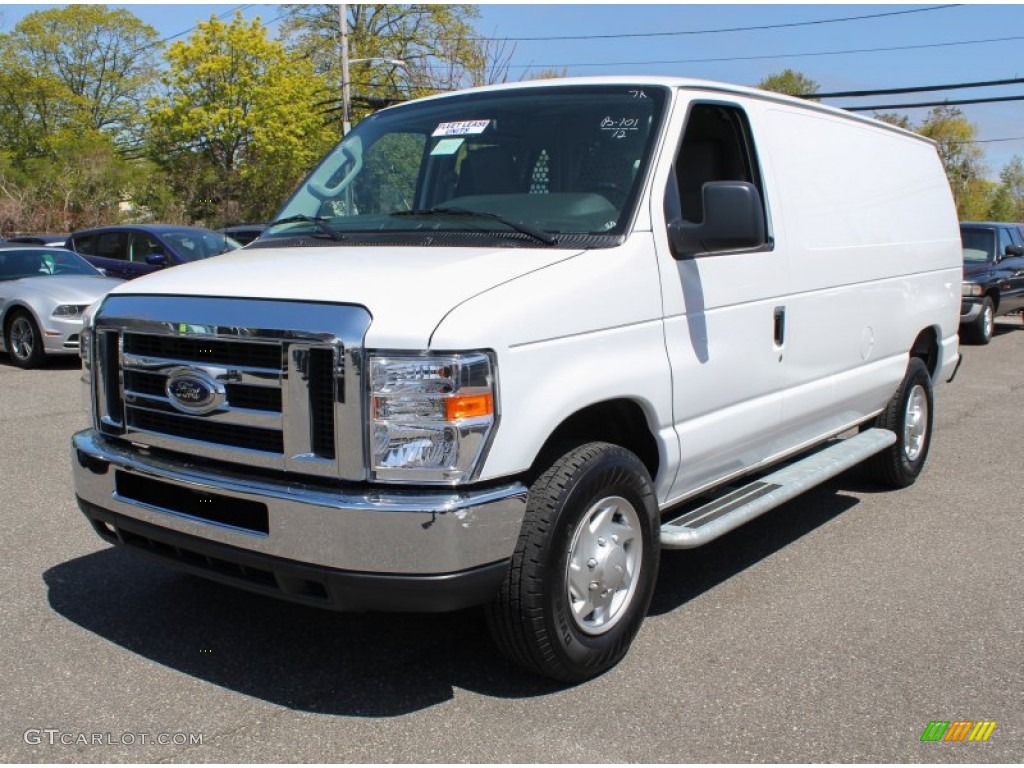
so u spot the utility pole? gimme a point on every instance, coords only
(346, 86)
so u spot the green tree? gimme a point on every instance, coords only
(790, 82)
(80, 179)
(954, 135)
(238, 125)
(547, 74)
(977, 199)
(435, 44)
(1001, 206)
(894, 118)
(81, 66)
(32, 106)
(13, 196)
(72, 84)
(1012, 190)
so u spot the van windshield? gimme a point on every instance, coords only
(534, 166)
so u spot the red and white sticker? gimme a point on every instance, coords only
(462, 128)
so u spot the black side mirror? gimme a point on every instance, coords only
(1014, 250)
(733, 220)
(157, 259)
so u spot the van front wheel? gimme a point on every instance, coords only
(584, 568)
(909, 415)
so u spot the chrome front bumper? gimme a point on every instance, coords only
(970, 309)
(352, 529)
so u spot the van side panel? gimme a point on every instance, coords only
(719, 316)
(874, 259)
(586, 330)
(865, 257)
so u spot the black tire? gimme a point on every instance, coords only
(981, 330)
(533, 621)
(899, 465)
(23, 341)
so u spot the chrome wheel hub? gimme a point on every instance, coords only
(915, 423)
(604, 563)
(22, 338)
(988, 322)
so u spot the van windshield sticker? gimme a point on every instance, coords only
(462, 128)
(619, 127)
(447, 146)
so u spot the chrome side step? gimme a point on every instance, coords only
(718, 517)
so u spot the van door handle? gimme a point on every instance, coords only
(780, 326)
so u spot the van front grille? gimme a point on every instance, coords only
(191, 428)
(275, 399)
(205, 351)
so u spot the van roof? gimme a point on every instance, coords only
(683, 83)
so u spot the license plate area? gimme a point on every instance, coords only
(250, 516)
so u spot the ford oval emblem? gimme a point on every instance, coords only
(193, 391)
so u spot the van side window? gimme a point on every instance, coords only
(716, 147)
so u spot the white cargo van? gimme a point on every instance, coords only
(504, 345)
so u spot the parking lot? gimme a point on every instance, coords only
(834, 628)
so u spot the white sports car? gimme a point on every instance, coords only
(43, 293)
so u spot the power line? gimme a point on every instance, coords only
(193, 28)
(947, 103)
(990, 141)
(220, 17)
(915, 89)
(723, 30)
(810, 54)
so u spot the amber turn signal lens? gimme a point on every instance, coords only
(468, 407)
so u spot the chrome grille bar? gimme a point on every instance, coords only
(226, 414)
(287, 374)
(298, 443)
(108, 382)
(246, 375)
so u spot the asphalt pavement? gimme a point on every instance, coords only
(835, 628)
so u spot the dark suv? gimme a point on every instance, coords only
(993, 276)
(130, 251)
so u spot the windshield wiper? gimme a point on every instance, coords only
(320, 222)
(518, 226)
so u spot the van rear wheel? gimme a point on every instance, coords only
(584, 568)
(909, 415)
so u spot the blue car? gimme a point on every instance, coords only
(132, 250)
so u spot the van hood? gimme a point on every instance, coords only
(407, 290)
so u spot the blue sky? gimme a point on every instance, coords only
(747, 56)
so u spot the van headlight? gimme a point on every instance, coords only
(431, 416)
